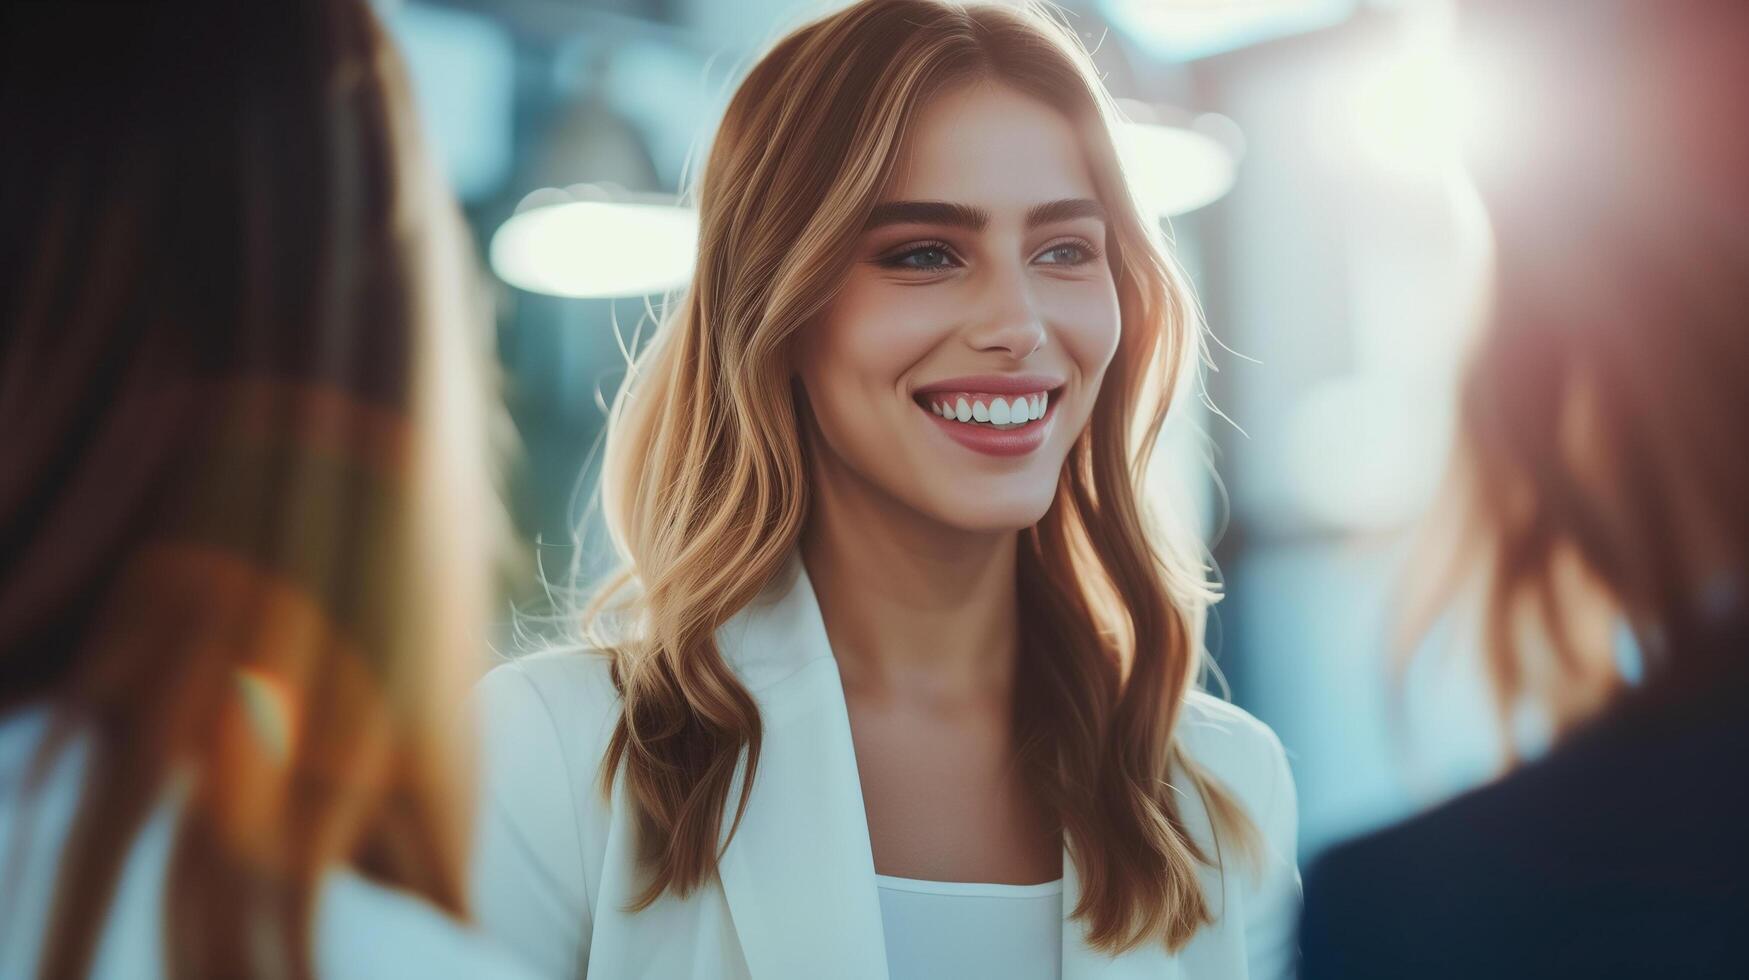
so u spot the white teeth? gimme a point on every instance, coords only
(1007, 411)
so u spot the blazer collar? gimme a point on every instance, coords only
(799, 873)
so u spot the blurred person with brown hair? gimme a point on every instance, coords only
(247, 511)
(1606, 479)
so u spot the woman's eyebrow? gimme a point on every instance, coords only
(973, 218)
(1067, 209)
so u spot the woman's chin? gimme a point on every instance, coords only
(993, 516)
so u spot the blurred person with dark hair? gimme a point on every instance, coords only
(247, 525)
(1606, 479)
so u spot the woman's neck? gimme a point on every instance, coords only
(914, 609)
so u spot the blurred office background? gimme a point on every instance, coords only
(1303, 153)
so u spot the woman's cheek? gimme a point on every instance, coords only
(888, 331)
(1088, 323)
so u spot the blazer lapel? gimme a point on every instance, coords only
(799, 873)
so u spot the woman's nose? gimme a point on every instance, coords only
(1010, 320)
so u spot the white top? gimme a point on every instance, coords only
(362, 929)
(946, 930)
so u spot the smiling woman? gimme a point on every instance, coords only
(897, 681)
(985, 259)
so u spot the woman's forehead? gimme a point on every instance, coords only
(992, 147)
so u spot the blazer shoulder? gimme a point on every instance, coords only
(546, 720)
(1238, 750)
(574, 683)
(1247, 760)
(541, 833)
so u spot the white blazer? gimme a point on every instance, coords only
(795, 897)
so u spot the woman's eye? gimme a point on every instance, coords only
(1068, 253)
(929, 258)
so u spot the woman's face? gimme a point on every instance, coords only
(962, 357)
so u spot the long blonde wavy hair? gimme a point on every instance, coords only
(705, 479)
